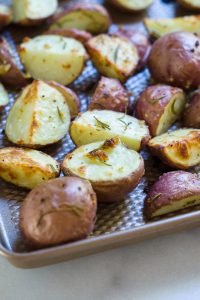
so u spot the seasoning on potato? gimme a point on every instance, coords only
(191, 116)
(113, 56)
(112, 168)
(33, 12)
(175, 60)
(140, 41)
(10, 73)
(80, 35)
(52, 57)
(26, 167)
(90, 17)
(98, 125)
(5, 15)
(131, 6)
(191, 4)
(179, 149)
(43, 114)
(172, 192)
(160, 106)
(111, 95)
(160, 27)
(4, 99)
(58, 211)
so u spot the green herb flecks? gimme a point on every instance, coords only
(52, 168)
(60, 115)
(155, 100)
(116, 53)
(101, 124)
(153, 198)
(126, 125)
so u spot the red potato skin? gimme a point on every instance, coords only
(5, 19)
(112, 191)
(13, 77)
(175, 59)
(191, 116)
(150, 110)
(80, 35)
(58, 211)
(110, 94)
(140, 41)
(172, 186)
(122, 8)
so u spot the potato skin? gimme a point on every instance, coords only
(182, 148)
(152, 103)
(61, 210)
(80, 35)
(175, 60)
(188, 4)
(171, 187)
(27, 168)
(125, 8)
(110, 94)
(10, 74)
(191, 116)
(140, 41)
(5, 16)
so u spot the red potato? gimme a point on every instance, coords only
(5, 15)
(140, 41)
(60, 210)
(173, 191)
(192, 112)
(132, 6)
(111, 95)
(80, 35)
(10, 74)
(160, 106)
(175, 59)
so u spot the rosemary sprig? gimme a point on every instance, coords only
(60, 114)
(123, 122)
(101, 124)
(154, 100)
(154, 197)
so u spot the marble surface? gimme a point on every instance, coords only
(164, 268)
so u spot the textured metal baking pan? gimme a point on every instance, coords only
(117, 224)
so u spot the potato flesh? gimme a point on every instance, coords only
(160, 27)
(177, 205)
(25, 167)
(120, 53)
(44, 118)
(53, 57)
(85, 129)
(4, 9)
(33, 9)
(3, 96)
(135, 4)
(121, 163)
(172, 113)
(90, 21)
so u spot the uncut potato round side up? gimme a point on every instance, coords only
(127, 214)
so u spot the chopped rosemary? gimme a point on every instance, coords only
(116, 52)
(60, 114)
(52, 168)
(64, 46)
(154, 100)
(154, 197)
(101, 124)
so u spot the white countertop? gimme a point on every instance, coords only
(163, 268)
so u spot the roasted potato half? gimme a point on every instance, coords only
(178, 149)
(192, 112)
(111, 95)
(160, 106)
(131, 6)
(5, 15)
(33, 12)
(175, 60)
(140, 41)
(113, 56)
(70, 96)
(26, 167)
(160, 27)
(112, 169)
(51, 57)
(58, 211)
(80, 35)
(90, 17)
(191, 4)
(43, 114)
(4, 99)
(173, 191)
(10, 73)
(98, 125)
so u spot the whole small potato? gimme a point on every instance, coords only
(58, 211)
(192, 112)
(110, 94)
(175, 60)
(160, 106)
(173, 191)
